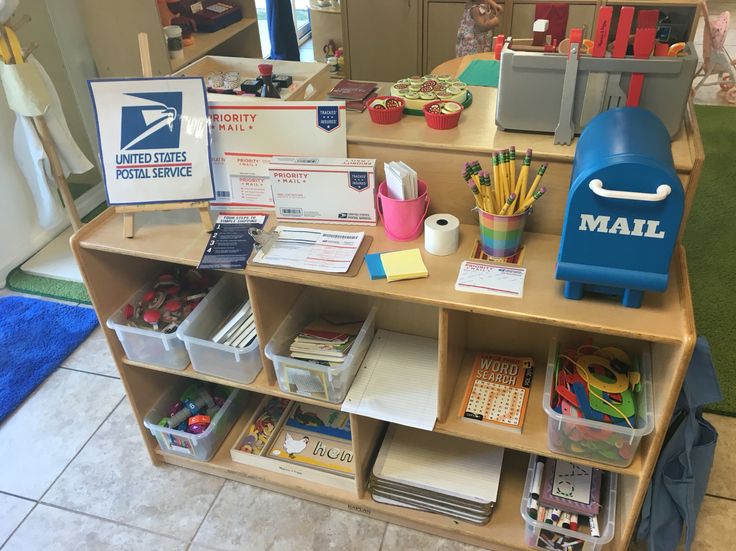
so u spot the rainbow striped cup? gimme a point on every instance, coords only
(500, 236)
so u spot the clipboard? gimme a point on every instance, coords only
(353, 271)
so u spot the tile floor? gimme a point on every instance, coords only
(88, 484)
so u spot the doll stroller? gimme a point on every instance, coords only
(716, 60)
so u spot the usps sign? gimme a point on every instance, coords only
(154, 139)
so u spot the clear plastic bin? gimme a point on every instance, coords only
(236, 364)
(147, 345)
(311, 379)
(595, 440)
(197, 446)
(536, 532)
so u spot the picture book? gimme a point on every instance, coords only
(325, 341)
(570, 487)
(498, 390)
(327, 422)
(352, 90)
(312, 449)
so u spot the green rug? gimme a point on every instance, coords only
(710, 241)
(49, 287)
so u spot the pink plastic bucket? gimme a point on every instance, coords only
(403, 220)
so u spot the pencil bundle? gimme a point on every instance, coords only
(508, 193)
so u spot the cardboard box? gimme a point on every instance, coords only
(323, 189)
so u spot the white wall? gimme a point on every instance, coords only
(63, 50)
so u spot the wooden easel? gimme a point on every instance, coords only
(128, 211)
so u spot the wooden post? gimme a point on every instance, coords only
(50, 148)
(128, 211)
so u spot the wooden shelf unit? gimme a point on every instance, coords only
(112, 50)
(114, 268)
(206, 42)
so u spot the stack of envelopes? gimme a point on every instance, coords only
(437, 473)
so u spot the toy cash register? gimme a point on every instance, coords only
(624, 208)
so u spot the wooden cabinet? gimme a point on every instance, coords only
(116, 52)
(383, 38)
(580, 15)
(440, 32)
(326, 26)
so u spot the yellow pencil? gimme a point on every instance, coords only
(512, 167)
(508, 169)
(507, 204)
(533, 188)
(505, 173)
(486, 181)
(497, 178)
(476, 193)
(525, 172)
(529, 202)
(521, 182)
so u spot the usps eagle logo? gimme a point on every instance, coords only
(151, 120)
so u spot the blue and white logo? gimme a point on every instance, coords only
(151, 121)
(328, 117)
(359, 181)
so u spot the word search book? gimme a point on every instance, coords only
(497, 391)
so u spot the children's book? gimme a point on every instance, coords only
(312, 449)
(352, 90)
(328, 422)
(316, 437)
(497, 391)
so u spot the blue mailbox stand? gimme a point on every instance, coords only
(624, 208)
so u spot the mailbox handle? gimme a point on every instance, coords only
(596, 186)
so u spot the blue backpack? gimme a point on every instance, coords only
(681, 474)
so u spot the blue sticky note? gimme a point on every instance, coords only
(375, 266)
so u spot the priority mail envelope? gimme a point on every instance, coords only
(324, 189)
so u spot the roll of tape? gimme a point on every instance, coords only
(441, 234)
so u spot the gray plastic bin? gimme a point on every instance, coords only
(236, 364)
(530, 87)
(310, 378)
(196, 446)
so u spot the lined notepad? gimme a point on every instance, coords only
(404, 265)
(456, 467)
(397, 381)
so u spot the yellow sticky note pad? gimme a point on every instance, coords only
(404, 265)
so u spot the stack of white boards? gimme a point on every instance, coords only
(437, 473)
(239, 330)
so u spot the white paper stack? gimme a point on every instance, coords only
(437, 473)
(401, 180)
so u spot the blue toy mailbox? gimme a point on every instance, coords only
(623, 210)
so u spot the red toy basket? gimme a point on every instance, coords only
(440, 121)
(386, 116)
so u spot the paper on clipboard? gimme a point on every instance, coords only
(246, 134)
(311, 249)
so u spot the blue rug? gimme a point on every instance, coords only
(35, 337)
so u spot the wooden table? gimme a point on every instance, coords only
(456, 66)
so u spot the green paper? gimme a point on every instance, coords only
(481, 72)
